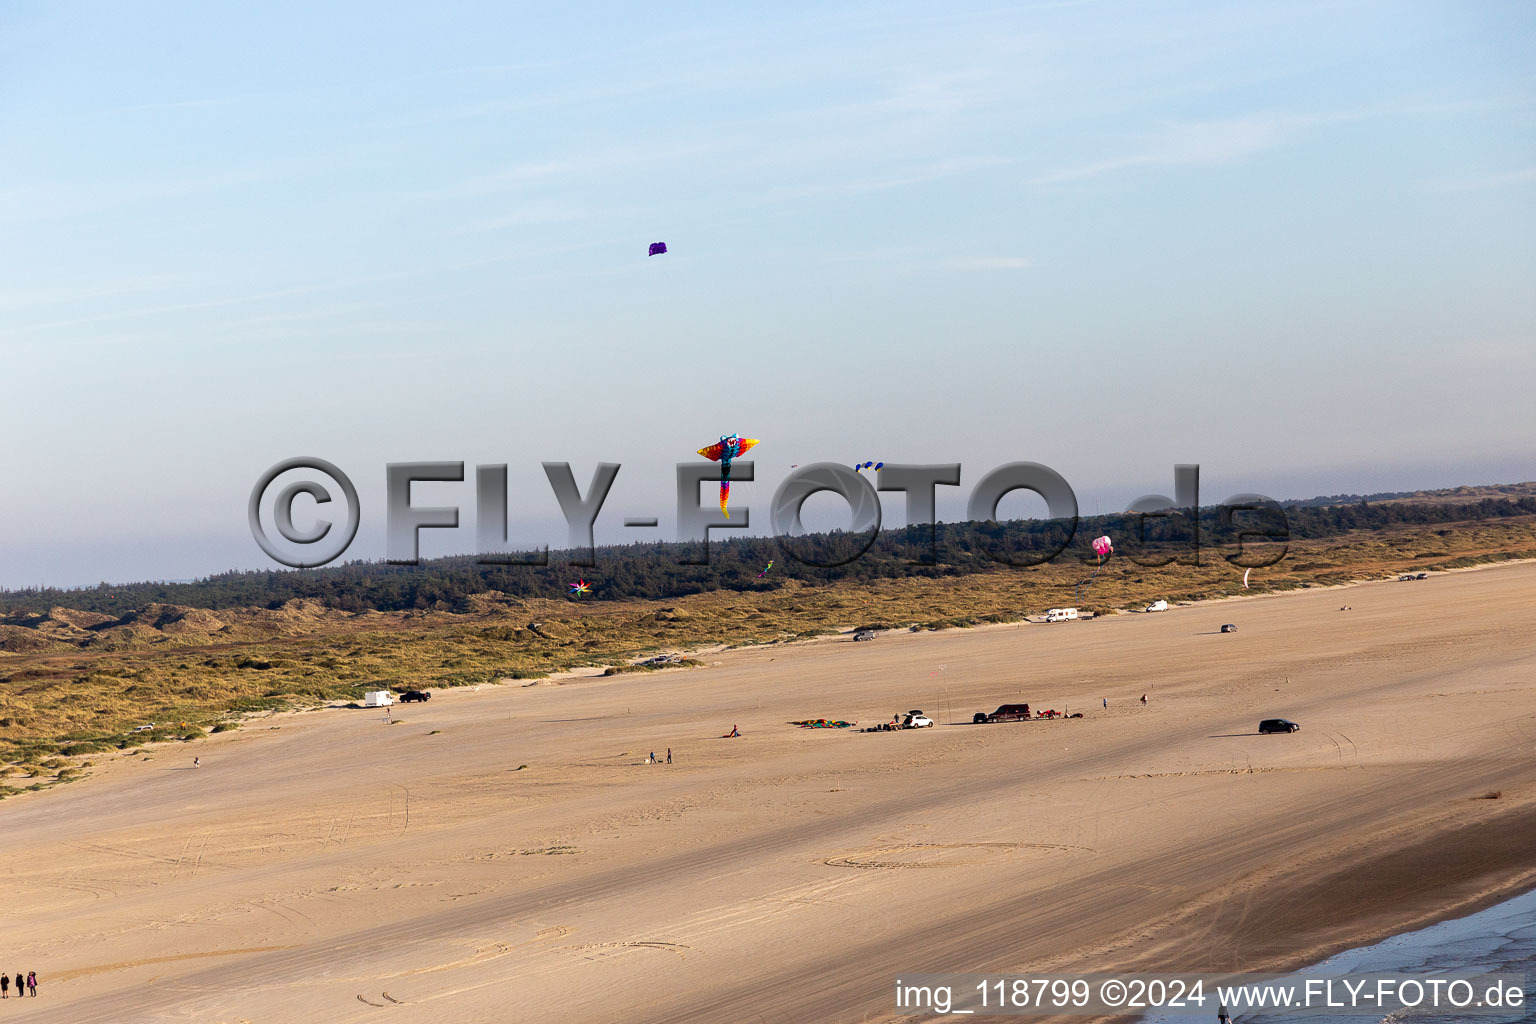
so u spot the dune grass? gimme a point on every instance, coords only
(65, 706)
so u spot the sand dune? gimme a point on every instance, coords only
(328, 866)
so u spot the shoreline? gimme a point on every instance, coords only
(1394, 892)
(1513, 877)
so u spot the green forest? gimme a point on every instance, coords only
(662, 570)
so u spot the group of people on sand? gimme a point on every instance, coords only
(23, 985)
(653, 759)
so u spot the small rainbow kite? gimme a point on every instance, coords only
(724, 451)
(580, 587)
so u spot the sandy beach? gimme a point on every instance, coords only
(504, 853)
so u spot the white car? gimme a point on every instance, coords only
(1158, 606)
(917, 720)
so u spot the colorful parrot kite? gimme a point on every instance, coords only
(657, 248)
(862, 466)
(765, 569)
(725, 451)
(580, 587)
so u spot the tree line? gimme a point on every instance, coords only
(662, 570)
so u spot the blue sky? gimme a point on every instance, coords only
(1292, 242)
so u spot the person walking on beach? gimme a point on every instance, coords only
(669, 755)
(32, 983)
(197, 762)
(1143, 700)
(5, 986)
(1106, 703)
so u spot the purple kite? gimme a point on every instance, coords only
(657, 248)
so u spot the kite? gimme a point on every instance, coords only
(580, 587)
(657, 248)
(1245, 578)
(862, 466)
(724, 451)
(824, 723)
(765, 569)
(1102, 546)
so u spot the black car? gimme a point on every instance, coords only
(1278, 725)
(1005, 713)
(1228, 628)
(410, 695)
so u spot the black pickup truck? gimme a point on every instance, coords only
(1006, 713)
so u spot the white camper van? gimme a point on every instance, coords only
(1158, 606)
(378, 699)
(1061, 615)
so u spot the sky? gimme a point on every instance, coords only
(1291, 242)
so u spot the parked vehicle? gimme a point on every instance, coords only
(378, 699)
(1422, 576)
(1061, 615)
(1005, 713)
(410, 696)
(1158, 606)
(864, 634)
(1228, 627)
(917, 720)
(1278, 725)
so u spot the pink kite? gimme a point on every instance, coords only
(1102, 546)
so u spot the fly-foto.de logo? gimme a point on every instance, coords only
(1243, 517)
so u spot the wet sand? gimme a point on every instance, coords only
(327, 866)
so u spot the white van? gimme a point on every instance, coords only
(378, 699)
(1061, 615)
(1158, 606)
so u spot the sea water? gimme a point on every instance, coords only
(1499, 939)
